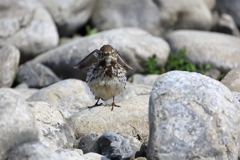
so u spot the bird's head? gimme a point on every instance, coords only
(107, 53)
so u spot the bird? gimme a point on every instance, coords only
(106, 77)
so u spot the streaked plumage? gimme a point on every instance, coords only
(107, 75)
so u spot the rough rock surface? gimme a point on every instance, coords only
(220, 50)
(70, 96)
(69, 15)
(191, 115)
(133, 142)
(36, 75)
(130, 118)
(28, 26)
(156, 17)
(9, 60)
(88, 143)
(232, 80)
(230, 7)
(128, 41)
(17, 121)
(54, 131)
(37, 151)
(146, 80)
(113, 146)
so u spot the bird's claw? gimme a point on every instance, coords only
(112, 105)
(95, 105)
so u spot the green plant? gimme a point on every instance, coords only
(150, 65)
(176, 61)
(90, 31)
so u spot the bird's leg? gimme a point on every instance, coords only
(96, 104)
(113, 105)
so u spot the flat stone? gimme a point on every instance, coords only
(130, 118)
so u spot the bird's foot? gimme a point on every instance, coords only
(112, 105)
(95, 105)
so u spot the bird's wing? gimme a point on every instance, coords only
(88, 60)
(122, 62)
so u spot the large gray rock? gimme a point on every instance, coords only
(9, 60)
(130, 118)
(231, 7)
(37, 151)
(69, 15)
(220, 50)
(70, 96)
(17, 121)
(28, 26)
(156, 17)
(53, 128)
(36, 75)
(191, 115)
(114, 146)
(232, 80)
(128, 41)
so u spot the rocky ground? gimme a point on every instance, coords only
(177, 115)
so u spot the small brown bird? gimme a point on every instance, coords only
(107, 75)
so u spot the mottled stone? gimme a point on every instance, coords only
(192, 115)
(113, 146)
(17, 121)
(54, 131)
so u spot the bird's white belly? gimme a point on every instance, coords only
(106, 87)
